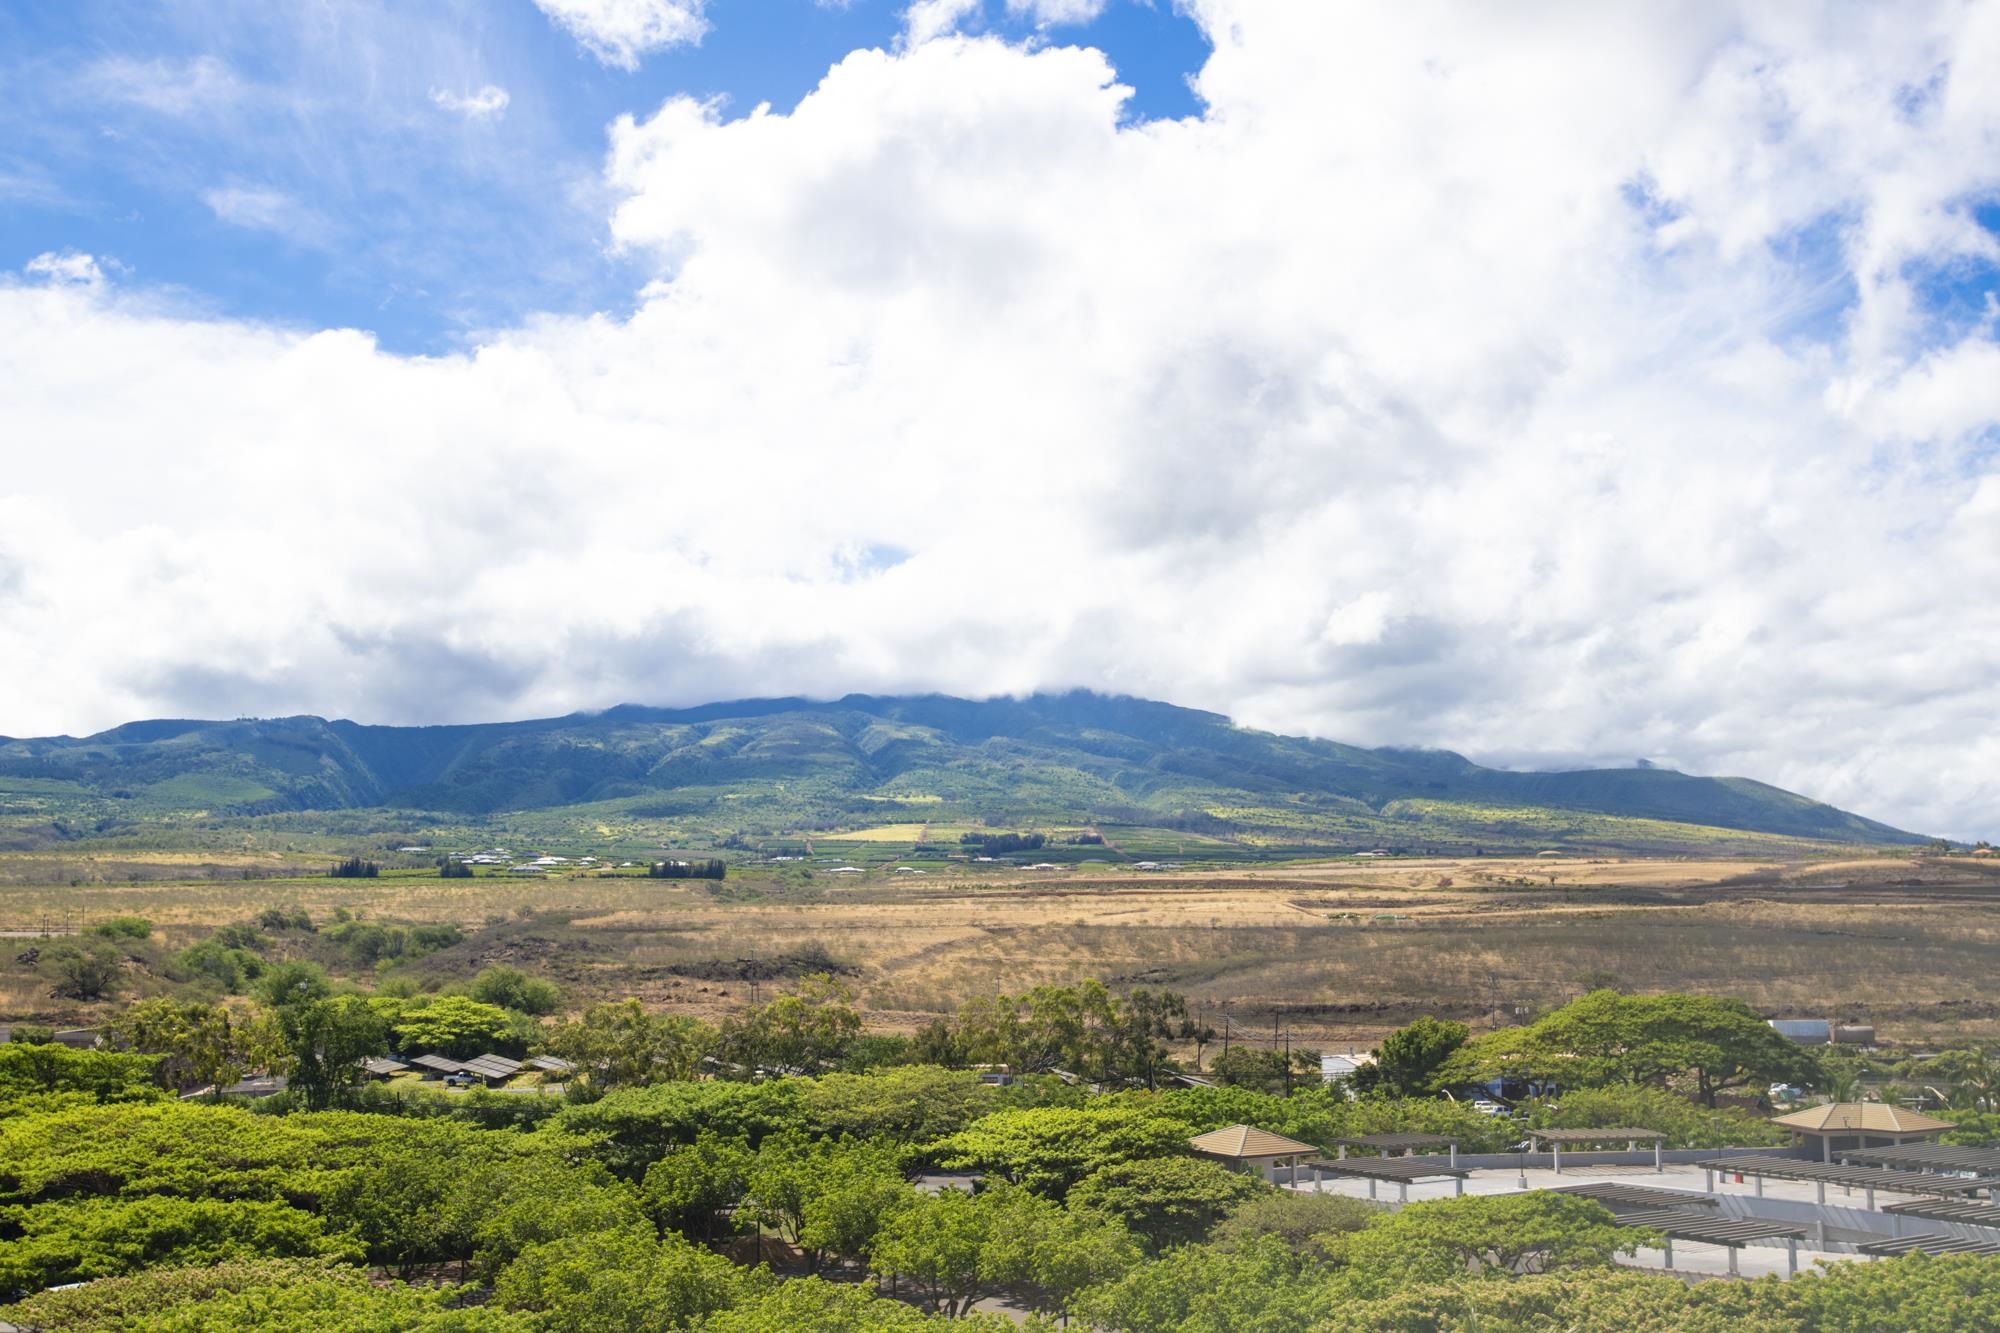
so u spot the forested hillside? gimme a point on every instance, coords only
(796, 764)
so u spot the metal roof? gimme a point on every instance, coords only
(376, 1064)
(1594, 1135)
(438, 1062)
(1930, 1244)
(1245, 1142)
(1388, 1168)
(1620, 1197)
(1396, 1142)
(1712, 1229)
(1931, 1156)
(492, 1066)
(1950, 1210)
(1860, 1177)
(553, 1064)
(1862, 1118)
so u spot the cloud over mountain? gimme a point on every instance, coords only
(1594, 384)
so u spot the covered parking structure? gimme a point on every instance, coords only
(1620, 1197)
(1631, 1138)
(1403, 1170)
(1385, 1144)
(1850, 1178)
(1963, 1211)
(1890, 1246)
(1708, 1228)
(1929, 1157)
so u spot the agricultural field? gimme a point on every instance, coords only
(1333, 953)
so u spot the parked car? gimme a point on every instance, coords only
(1485, 1107)
(458, 1080)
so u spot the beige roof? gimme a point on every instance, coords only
(1864, 1117)
(1245, 1142)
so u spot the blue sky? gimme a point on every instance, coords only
(1555, 384)
(292, 163)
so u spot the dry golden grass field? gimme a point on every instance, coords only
(1339, 952)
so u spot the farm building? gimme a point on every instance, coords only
(1336, 1068)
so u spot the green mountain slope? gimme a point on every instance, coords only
(790, 764)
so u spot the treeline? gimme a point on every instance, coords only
(1000, 844)
(713, 868)
(355, 868)
(677, 1204)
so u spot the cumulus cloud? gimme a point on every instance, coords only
(485, 104)
(66, 266)
(623, 32)
(1535, 385)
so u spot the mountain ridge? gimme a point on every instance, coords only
(1077, 755)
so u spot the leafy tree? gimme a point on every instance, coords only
(1166, 1200)
(1249, 1067)
(251, 1296)
(530, 1200)
(807, 1030)
(293, 983)
(124, 928)
(1713, 1045)
(325, 1041)
(1301, 1220)
(1034, 1244)
(90, 1238)
(39, 1070)
(87, 971)
(1262, 1285)
(1048, 1149)
(621, 1045)
(827, 1198)
(915, 1103)
(1407, 1061)
(827, 1307)
(693, 1190)
(198, 1043)
(231, 967)
(511, 988)
(631, 1128)
(1512, 1233)
(452, 1025)
(1974, 1077)
(936, 1245)
(617, 1281)
(1685, 1124)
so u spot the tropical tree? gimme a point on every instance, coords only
(1407, 1061)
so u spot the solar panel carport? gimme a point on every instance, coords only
(1950, 1210)
(1871, 1179)
(1709, 1228)
(1384, 1144)
(1632, 1138)
(1402, 1170)
(1622, 1198)
(1930, 1244)
(1930, 1157)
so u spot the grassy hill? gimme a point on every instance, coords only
(781, 768)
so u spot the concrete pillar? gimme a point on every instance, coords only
(1871, 1198)
(1558, 1149)
(1458, 1186)
(1732, 1262)
(1454, 1157)
(1821, 1185)
(1371, 1187)
(1668, 1247)
(1343, 1152)
(1792, 1256)
(1760, 1187)
(1658, 1168)
(1708, 1179)
(1402, 1191)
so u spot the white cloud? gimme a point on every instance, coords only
(622, 32)
(170, 87)
(260, 208)
(485, 104)
(1469, 384)
(67, 267)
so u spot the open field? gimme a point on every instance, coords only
(1340, 952)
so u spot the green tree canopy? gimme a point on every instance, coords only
(1407, 1061)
